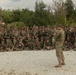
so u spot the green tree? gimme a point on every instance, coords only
(7, 16)
(16, 15)
(27, 16)
(42, 13)
(59, 12)
(69, 8)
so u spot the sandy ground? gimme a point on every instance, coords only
(36, 63)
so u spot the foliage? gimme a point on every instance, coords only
(7, 16)
(69, 8)
(61, 13)
(17, 24)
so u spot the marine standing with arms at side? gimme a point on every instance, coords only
(59, 40)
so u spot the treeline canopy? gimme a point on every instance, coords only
(59, 13)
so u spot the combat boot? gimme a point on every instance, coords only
(63, 63)
(59, 65)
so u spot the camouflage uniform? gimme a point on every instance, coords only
(37, 43)
(1, 35)
(42, 38)
(60, 36)
(75, 38)
(47, 41)
(71, 38)
(9, 39)
(47, 44)
(3, 41)
(53, 38)
(20, 43)
(28, 42)
(15, 39)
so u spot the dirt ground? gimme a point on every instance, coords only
(36, 63)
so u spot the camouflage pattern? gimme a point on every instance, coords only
(35, 38)
(60, 37)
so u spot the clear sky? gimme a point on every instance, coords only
(19, 4)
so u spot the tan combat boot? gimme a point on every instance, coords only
(63, 63)
(59, 65)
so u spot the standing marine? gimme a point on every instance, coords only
(59, 40)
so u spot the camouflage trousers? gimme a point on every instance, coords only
(59, 52)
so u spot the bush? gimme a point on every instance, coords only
(17, 24)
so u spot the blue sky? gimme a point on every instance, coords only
(19, 4)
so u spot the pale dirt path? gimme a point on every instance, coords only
(36, 63)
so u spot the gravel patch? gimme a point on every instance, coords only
(36, 63)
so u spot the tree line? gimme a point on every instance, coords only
(60, 12)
